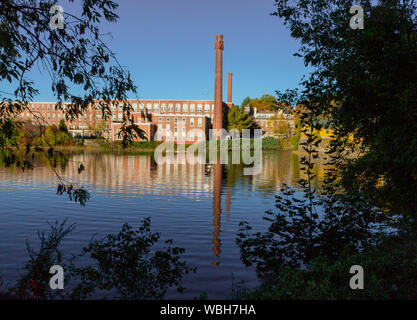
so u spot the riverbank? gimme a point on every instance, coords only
(268, 144)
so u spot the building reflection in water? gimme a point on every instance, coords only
(217, 174)
(130, 175)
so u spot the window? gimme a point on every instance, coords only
(191, 122)
(212, 108)
(199, 108)
(49, 107)
(168, 119)
(185, 108)
(192, 107)
(207, 108)
(113, 107)
(170, 107)
(141, 106)
(200, 122)
(155, 107)
(175, 120)
(53, 116)
(163, 107)
(160, 119)
(135, 107)
(175, 129)
(149, 107)
(184, 120)
(177, 107)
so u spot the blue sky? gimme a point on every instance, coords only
(168, 46)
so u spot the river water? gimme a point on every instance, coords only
(198, 206)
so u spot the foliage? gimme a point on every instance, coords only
(10, 139)
(79, 195)
(390, 273)
(365, 81)
(131, 262)
(142, 145)
(100, 127)
(34, 283)
(303, 228)
(128, 264)
(270, 143)
(265, 102)
(295, 140)
(238, 120)
(145, 144)
(246, 102)
(62, 126)
(54, 137)
(83, 69)
(278, 125)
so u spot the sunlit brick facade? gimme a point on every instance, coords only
(178, 118)
(174, 116)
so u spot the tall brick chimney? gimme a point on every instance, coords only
(229, 89)
(218, 94)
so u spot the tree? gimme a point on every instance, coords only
(265, 102)
(100, 127)
(75, 56)
(246, 102)
(277, 124)
(62, 126)
(365, 81)
(237, 119)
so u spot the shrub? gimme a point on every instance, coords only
(270, 143)
(54, 137)
(34, 283)
(145, 144)
(128, 265)
(390, 272)
(295, 140)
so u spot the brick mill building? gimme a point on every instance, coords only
(176, 117)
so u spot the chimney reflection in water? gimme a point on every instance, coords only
(217, 192)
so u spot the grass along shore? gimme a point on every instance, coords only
(268, 143)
